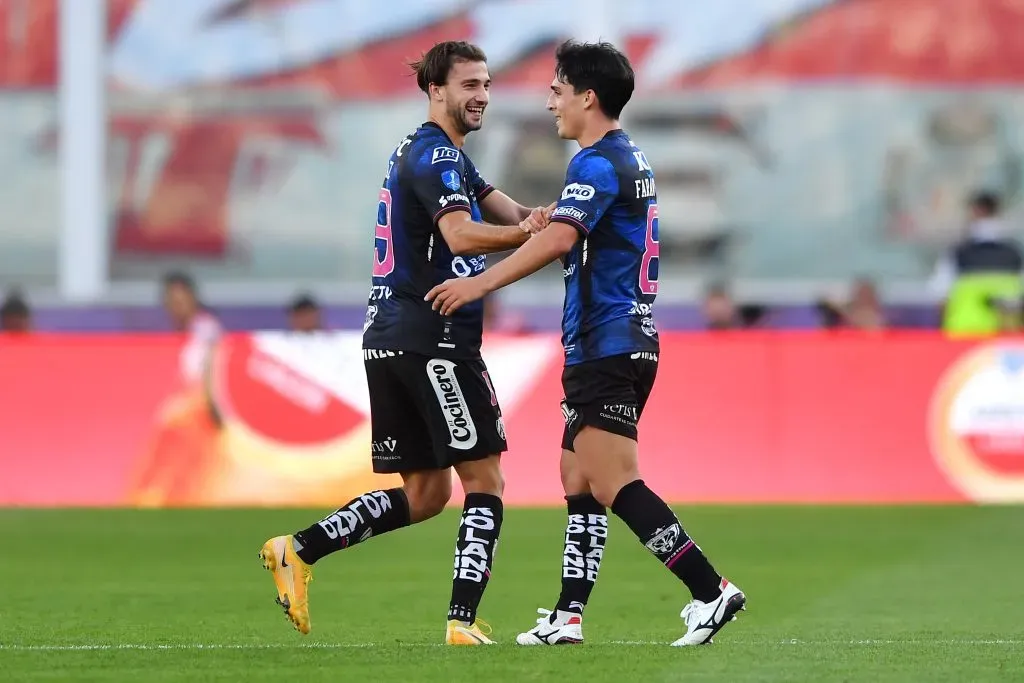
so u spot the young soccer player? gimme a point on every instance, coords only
(432, 404)
(605, 230)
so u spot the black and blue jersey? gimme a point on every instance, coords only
(611, 274)
(427, 177)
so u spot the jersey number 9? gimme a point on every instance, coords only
(383, 265)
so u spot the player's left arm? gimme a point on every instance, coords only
(591, 187)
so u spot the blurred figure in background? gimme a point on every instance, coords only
(304, 315)
(979, 280)
(15, 315)
(862, 311)
(721, 312)
(187, 313)
(183, 450)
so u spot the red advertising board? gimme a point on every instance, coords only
(281, 419)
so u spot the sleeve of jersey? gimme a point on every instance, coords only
(438, 182)
(591, 186)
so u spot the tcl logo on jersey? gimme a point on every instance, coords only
(453, 404)
(445, 201)
(444, 154)
(570, 211)
(578, 191)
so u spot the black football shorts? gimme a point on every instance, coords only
(430, 413)
(608, 394)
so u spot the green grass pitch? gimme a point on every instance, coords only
(834, 594)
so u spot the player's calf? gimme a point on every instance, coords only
(290, 557)
(586, 532)
(479, 529)
(585, 535)
(368, 515)
(715, 600)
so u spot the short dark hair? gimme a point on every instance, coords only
(14, 305)
(600, 67)
(180, 279)
(436, 63)
(986, 202)
(304, 302)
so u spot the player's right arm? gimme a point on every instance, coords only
(466, 237)
(444, 192)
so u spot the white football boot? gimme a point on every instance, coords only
(554, 628)
(704, 619)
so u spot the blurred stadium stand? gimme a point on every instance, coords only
(798, 144)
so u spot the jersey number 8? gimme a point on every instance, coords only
(383, 266)
(652, 254)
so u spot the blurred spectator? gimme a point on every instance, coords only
(304, 315)
(188, 314)
(15, 315)
(722, 313)
(863, 310)
(979, 280)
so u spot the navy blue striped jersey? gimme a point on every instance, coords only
(427, 177)
(611, 274)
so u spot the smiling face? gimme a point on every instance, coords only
(569, 108)
(464, 95)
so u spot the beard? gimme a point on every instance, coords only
(460, 117)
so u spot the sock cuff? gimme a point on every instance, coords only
(584, 503)
(400, 500)
(483, 500)
(625, 493)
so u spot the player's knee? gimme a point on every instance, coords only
(605, 489)
(428, 495)
(482, 476)
(605, 495)
(573, 481)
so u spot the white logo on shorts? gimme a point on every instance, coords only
(453, 403)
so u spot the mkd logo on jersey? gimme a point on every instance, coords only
(578, 191)
(453, 404)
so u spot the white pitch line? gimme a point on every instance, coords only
(346, 646)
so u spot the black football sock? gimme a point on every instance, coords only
(474, 553)
(585, 535)
(370, 514)
(659, 530)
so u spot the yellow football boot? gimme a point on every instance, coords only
(292, 576)
(461, 633)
